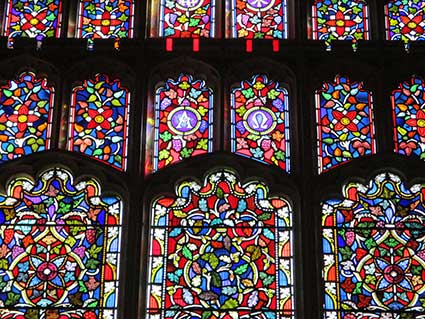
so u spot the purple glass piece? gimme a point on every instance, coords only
(260, 120)
(184, 120)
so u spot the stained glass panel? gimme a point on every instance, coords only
(98, 120)
(340, 20)
(260, 121)
(221, 250)
(345, 128)
(59, 248)
(187, 18)
(183, 120)
(105, 19)
(405, 20)
(409, 117)
(259, 19)
(373, 246)
(26, 107)
(33, 19)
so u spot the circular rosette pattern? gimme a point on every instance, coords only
(47, 270)
(393, 273)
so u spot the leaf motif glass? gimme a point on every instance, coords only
(259, 19)
(99, 19)
(345, 127)
(26, 110)
(221, 249)
(187, 18)
(260, 121)
(404, 20)
(33, 19)
(340, 20)
(59, 248)
(183, 121)
(374, 254)
(98, 120)
(409, 117)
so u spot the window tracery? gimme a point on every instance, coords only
(26, 110)
(59, 248)
(373, 250)
(259, 19)
(260, 121)
(34, 19)
(340, 20)
(183, 123)
(345, 128)
(98, 120)
(404, 20)
(221, 249)
(409, 117)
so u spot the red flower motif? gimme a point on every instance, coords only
(340, 22)
(22, 117)
(412, 24)
(361, 146)
(99, 119)
(418, 122)
(408, 147)
(105, 22)
(34, 20)
(345, 120)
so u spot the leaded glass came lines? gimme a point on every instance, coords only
(98, 120)
(26, 110)
(59, 248)
(221, 249)
(259, 19)
(345, 128)
(374, 253)
(260, 121)
(33, 19)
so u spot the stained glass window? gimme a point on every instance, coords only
(260, 121)
(340, 20)
(59, 248)
(105, 19)
(221, 250)
(26, 107)
(405, 20)
(98, 120)
(345, 128)
(259, 19)
(409, 117)
(373, 246)
(33, 19)
(183, 121)
(187, 18)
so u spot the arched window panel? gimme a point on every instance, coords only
(404, 20)
(60, 247)
(183, 121)
(33, 19)
(26, 109)
(373, 246)
(99, 19)
(259, 19)
(221, 249)
(260, 121)
(340, 20)
(98, 122)
(409, 117)
(345, 128)
(185, 18)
